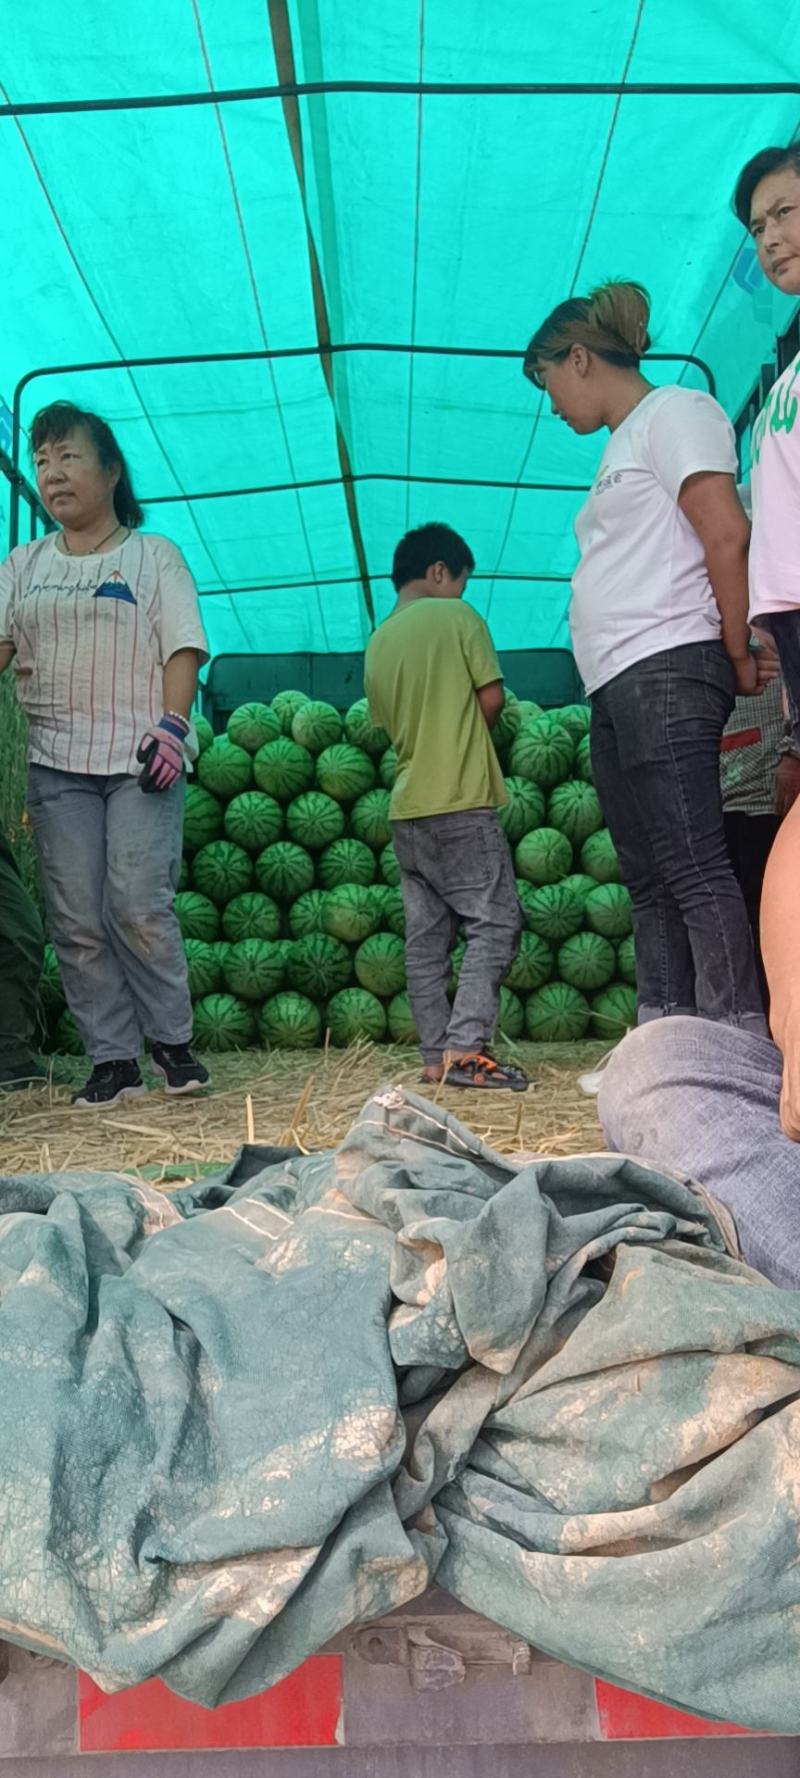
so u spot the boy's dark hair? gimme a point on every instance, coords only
(51, 425)
(419, 549)
(770, 160)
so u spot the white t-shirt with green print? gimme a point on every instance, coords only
(775, 491)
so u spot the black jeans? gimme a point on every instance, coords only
(784, 627)
(656, 734)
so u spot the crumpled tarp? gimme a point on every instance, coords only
(237, 1420)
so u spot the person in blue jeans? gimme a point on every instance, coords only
(721, 1104)
(660, 634)
(103, 627)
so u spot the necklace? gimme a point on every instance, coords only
(95, 546)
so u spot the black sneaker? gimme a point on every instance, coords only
(20, 1075)
(179, 1069)
(484, 1072)
(108, 1083)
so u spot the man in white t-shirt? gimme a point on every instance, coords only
(767, 202)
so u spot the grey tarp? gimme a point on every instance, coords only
(235, 1421)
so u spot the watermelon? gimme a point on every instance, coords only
(254, 969)
(305, 914)
(528, 710)
(253, 820)
(508, 723)
(221, 1022)
(608, 910)
(580, 884)
(350, 913)
(400, 1020)
(286, 705)
(204, 733)
(362, 731)
(183, 876)
(555, 910)
(222, 948)
(599, 858)
(283, 769)
(510, 1017)
(626, 960)
(197, 916)
(381, 964)
(51, 992)
(543, 751)
(391, 908)
(290, 1022)
(583, 760)
(387, 770)
(346, 861)
(574, 808)
(389, 867)
(532, 965)
(369, 819)
(316, 726)
(587, 961)
(556, 1013)
(251, 915)
(523, 811)
(355, 1013)
(543, 856)
(314, 820)
(202, 818)
(225, 769)
(345, 772)
(221, 871)
(319, 965)
(284, 871)
(614, 1011)
(67, 1040)
(576, 719)
(203, 967)
(252, 726)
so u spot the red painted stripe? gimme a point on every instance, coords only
(302, 1711)
(625, 1716)
(747, 737)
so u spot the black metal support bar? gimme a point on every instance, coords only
(445, 89)
(377, 475)
(291, 586)
(274, 353)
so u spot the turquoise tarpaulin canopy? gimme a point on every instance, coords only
(436, 218)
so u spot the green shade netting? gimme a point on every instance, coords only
(440, 220)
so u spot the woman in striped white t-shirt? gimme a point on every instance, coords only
(103, 626)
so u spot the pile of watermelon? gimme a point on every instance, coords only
(289, 899)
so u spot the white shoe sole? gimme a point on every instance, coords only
(107, 1104)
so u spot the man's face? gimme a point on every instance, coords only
(775, 228)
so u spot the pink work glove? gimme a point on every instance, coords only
(161, 753)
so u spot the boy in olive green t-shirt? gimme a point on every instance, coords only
(434, 684)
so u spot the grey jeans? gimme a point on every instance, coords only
(702, 1099)
(110, 858)
(456, 868)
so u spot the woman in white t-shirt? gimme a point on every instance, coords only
(104, 629)
(659, 629)
(767, 202)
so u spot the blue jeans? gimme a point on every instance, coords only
(456, 868)
(656, 735)
(784, 627)
(702, 1100)
(110, 858)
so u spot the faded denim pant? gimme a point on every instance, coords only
(110, 858)
(456, 868)
(702, 1099)
(656, 735)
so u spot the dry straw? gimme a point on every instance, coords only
(307, 1098)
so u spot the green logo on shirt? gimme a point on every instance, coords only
(778, 413)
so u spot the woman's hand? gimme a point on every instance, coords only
(748, 683)
(790, 1090)
(160, 753)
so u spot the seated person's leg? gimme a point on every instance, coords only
(702, 1099)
